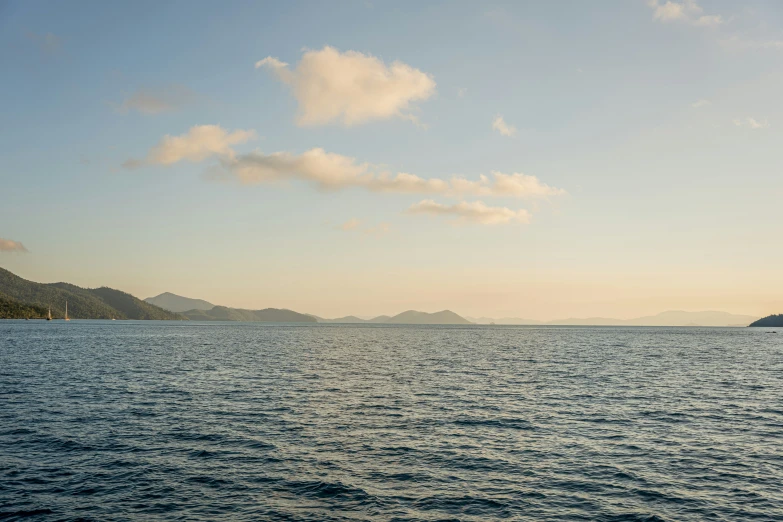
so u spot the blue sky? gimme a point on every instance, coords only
(657, 127)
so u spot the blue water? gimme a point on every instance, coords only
(183, 421)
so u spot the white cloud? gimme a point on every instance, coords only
(7, 245)
(330, 171)
(687, 11)
(156, 101)
(462, 91)
(476, 212)
(350, 87)
(751, 123)
(500, 125)
(198, 144)
(700, 103)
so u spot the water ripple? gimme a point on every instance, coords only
(173, 421)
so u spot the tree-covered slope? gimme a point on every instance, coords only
(13, 309)
(131, 307)
(770, 320)
(83, 303)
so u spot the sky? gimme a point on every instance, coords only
(504, 159)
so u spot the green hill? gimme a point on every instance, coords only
(268, 315)
(83, 303)
(13, 309)
(770, 320)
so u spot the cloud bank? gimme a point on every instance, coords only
(350, 87)
(476, 212)
(7, 245)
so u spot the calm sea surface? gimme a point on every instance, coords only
(172, 421)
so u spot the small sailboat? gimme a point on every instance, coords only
(66, 311)
(49, 317)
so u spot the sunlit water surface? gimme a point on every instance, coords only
(164, 421)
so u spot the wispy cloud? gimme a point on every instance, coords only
(750, 123)
(351, 224)
(199, 143)
(500, 125)
(326, 170)
(378, 230)
(735, 42)
(354, 225)
(156, 101)
(7, 245)
(475, 212)
(687, 11)
(48, 43)
(350, 87)
(330, 171)
(700, 103)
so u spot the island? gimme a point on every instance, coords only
(774, 320)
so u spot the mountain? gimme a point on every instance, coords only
(414, 317)
(268, 315)
(177, 303)
(770, 320)
(409, 317)
(83, 303)
(503, 320)
(349, 319)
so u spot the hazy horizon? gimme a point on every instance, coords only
(540, 161)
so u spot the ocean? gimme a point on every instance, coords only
(116, 420)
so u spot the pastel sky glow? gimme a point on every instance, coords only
(507, 159)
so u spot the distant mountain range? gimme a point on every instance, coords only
(23, 299)
(200, 310)
(268, 315)
(409, 317)
(20, 298)
(670, 318)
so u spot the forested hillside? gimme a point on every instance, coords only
(83, 303)
(13, 309)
